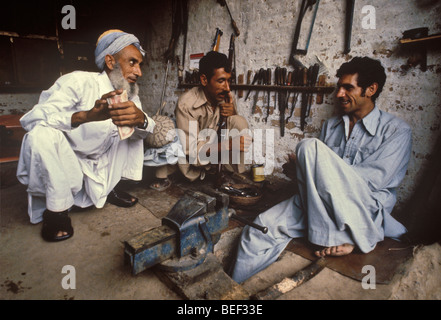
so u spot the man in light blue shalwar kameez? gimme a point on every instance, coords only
(347, 179)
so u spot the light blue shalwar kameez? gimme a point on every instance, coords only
(346, 192)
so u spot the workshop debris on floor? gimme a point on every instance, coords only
(32, 268)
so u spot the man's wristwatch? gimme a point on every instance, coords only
(146, 123)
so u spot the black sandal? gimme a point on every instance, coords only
(54, 222)
(121, 199)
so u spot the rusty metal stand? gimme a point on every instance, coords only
(207, 281)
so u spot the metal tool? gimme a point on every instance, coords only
(281, 80)
(216, 41)
(234, 216)
(350, 5)
(233, 23)
(232, 59)
(294, 82)
(255, 79)
(268, 82)
(306, 4)
(187, 234)
(304, 105)
(310, 76)
(260, 80)
(164, 85)
(312, 81)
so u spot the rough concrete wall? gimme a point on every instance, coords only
(267, 29)
(16, 103)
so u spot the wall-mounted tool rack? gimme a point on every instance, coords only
(305, 89)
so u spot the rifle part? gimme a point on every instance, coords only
(233, 23)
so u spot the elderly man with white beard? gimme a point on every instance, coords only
(72, 154)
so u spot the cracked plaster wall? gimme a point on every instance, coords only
(267, 29)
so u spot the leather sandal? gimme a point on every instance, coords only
(54, 222)
(121, 199)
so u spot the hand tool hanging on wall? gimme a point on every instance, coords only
(179, 25)
(312, 81)
(277, 93)
(184, 15)
(216, 41)
(281, 81)
(350, 5)
(255, 79)
(294, 82)
(164, 86)
(289, 79)
(260, 81)
(232, 59)
(223, 3)
(310, 76)
(268, 82)
(304, 105)
(306, 4)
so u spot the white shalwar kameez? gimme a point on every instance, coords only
(347, 190)
(64, 166)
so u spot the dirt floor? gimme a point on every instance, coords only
(34, 269)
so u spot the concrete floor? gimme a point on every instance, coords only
(33, 269)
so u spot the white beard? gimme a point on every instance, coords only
(117, 79)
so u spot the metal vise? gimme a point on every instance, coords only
(187, 234)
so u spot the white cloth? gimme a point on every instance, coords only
(113, 43)
(347, 192)
(63, 166)
(168, 154)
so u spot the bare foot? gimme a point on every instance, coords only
(161, 184)
(61, 233)
(336, 251)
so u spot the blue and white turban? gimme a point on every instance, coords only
(112, 42)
